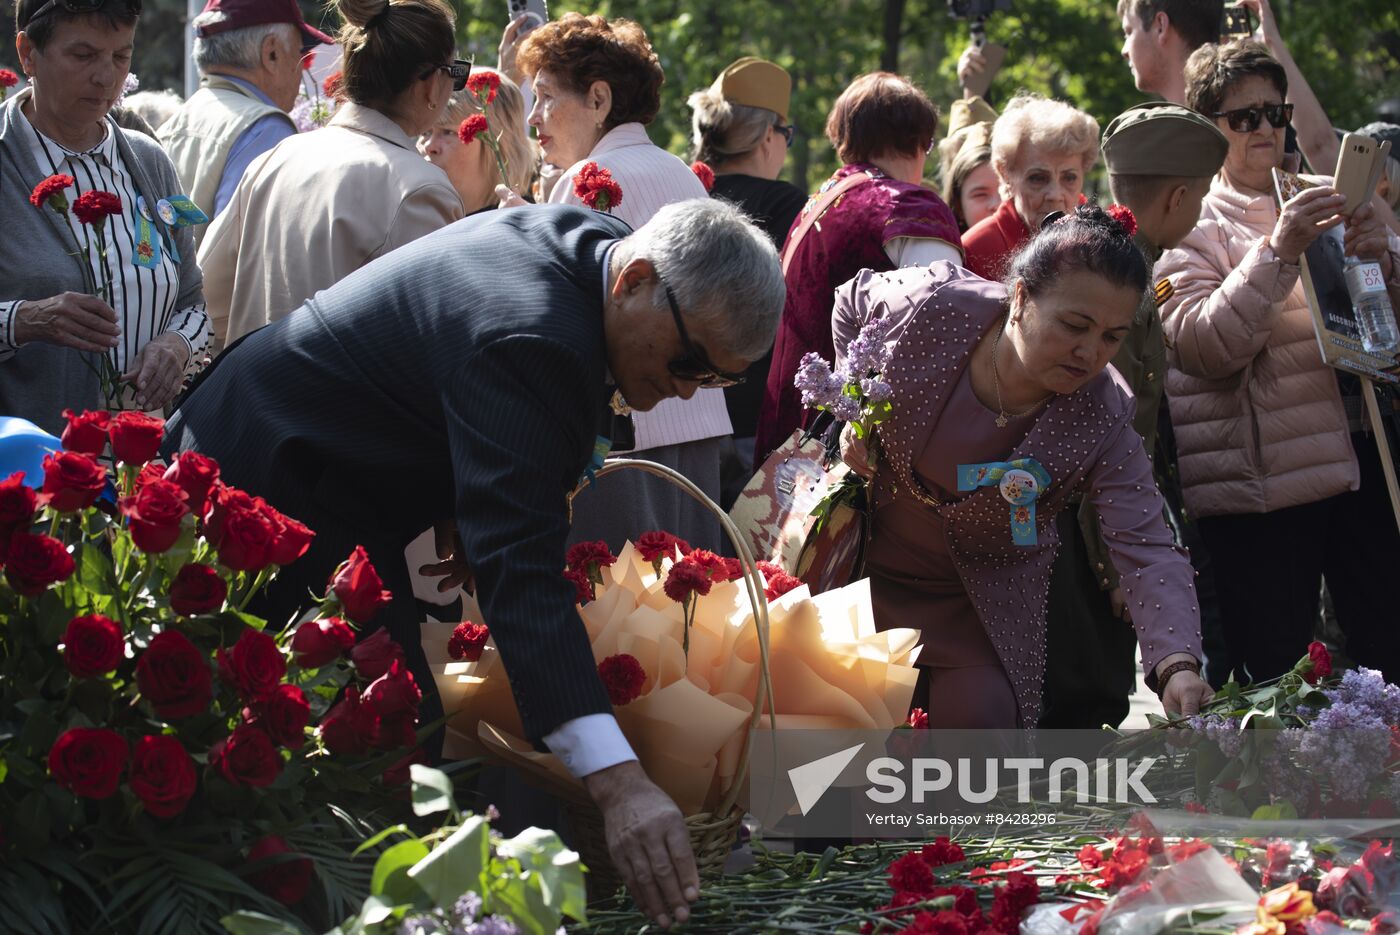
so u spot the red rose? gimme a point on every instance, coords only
(400, 773)
(583, 585)
(153, 515)
(292, 541)
(469, 128)
(72, 481)
(704, 173)
(135, 435)
(283, 714)
(50, 192)
(623, 677)
(254, 666)
(86, 432)
(247, 757)
(17, 505)
(685, 579)
(374, 655)
(88, 761)
(93, 645)
(350, 727)
(317, 642)
(197, 589)
(286, 881)
(484, 81)
(248, 535)
(94, 208)
(595, 187)
(173, 675)
(32, 563)
(222, 499)
(654, 546)
(394, 692)
(1319, 661)
(195, 474)
(162, 775)
(358, 587)
(468, 640)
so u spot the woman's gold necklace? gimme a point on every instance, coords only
(1003, 417)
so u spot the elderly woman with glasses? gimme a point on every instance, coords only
(873, 213)
(56, 335)
(320, 205)
(1286, 486)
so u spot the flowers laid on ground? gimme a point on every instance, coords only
(595, 187)
(159, 738)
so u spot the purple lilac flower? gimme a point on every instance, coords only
(819, 386)
(491, 925)
(1224, 732)
(846, 409)
(466, 908)
(129, 86)
(1282, 775)
(1368, 689)
(421, 924)
(1348, 745)
(875, 390)
(867, 353)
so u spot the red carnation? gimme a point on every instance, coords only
(72, 481)
(686, 579)
(374, 655)
(588, 554)
(350, 726)
(595, 187)
(942, 851)
(484, 81)
(623, 677)
(468, 640)
(1188, 849)
(286, 881)
(86, 431)
(308, 60)
(909, 874)
(1090, 858)
(1125, 868)
(162, 775)
(93, 645)
(254, 666)
(18, 501)
(333, 84)
(8, 79)
(88, 761)
(358, 587)
(470, 127)
(154, 514)
(583, 585)
(704, 173)
(173, 675)
(135, 435)
(196, 475)
(1319, 664)
(197, 589)
(50, 192)
(95, 207)
(779, 584)
(918, 719)
(283, 713)
(654, 546)
(32, 563)
(246, 757)
(717, 567)
(317, 642)
(1124, 216)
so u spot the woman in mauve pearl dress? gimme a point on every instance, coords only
(983, 373)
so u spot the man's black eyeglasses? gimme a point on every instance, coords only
(787, 130)
(459, 70)
(80, 6)
(1246, 119)
(695, 365)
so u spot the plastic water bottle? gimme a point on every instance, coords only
(1371, 303)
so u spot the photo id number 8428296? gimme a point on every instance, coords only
(1020, 818)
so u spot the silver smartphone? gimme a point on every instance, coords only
(537, 10)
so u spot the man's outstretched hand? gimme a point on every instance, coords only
(648, 841)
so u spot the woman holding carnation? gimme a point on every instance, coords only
(1003, 413)
(883, 127)
(320, 205)
(90, 184)
(469, 163)
(597, 84)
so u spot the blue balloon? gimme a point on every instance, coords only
(23, 447)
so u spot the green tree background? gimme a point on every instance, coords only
(1349, 49)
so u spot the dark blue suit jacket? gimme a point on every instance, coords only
(463, 371)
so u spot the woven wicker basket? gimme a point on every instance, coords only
(712, 834)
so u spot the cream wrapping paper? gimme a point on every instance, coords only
(830, 668)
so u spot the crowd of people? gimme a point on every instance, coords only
(419, 340)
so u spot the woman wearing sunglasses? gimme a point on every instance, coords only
(321, 205)
(1286, 487)
(151, 325)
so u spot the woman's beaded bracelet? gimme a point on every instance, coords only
(1178, 666)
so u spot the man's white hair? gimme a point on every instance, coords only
(238, 48)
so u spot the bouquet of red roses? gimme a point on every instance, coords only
(166, 757)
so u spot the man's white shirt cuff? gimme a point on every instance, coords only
(589, 743)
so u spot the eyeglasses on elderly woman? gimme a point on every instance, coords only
(79, 7)
(1246, 119)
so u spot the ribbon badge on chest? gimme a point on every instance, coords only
(1021, 483)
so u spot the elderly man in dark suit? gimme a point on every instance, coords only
(469, 373)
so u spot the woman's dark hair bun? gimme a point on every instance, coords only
(1092, 238)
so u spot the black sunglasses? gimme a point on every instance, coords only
(695, 365)
(788, 131)
(79, 6)
(459, 70)
(1246, 119)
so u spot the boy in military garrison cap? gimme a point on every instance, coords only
(1161, 158)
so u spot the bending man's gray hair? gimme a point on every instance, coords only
(719, 265)
(238, 48)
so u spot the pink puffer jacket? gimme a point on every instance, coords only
(1258, 416)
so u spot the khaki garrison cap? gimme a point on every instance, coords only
(1159, 138)
(754, 82)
